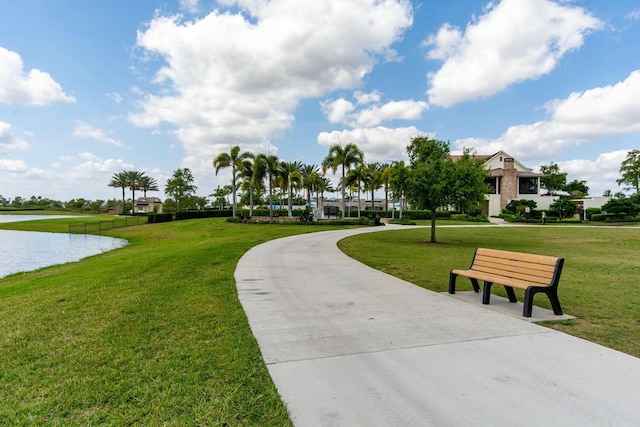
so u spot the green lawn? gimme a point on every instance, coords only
(600, 283)
(152, 333)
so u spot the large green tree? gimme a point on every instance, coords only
(232, 159)
(431, 176)
(180, 187)
(342, 158)
(630, 170)
(469, 186)
(553, 180)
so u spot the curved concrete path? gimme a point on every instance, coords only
(347, 345)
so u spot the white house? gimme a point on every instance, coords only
(147, 205)
(511, 180)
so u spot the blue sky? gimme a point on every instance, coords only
(88, 89)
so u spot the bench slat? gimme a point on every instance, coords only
(516, 271)
(509, 275)
(538, 259)
(497, 279)
(507, 263)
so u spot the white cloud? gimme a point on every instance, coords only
(344, 111)
(82, 175)
(600, 174)
(84, 130)
(231, 79)
(190, 6)
(515, 40)
(338, 111)
(33, 88)
(12, 165)
(634, 15)
(583, 116)
(379, 144)
(116, 97)
(9, 140)
(367, 98)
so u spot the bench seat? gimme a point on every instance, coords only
(533, 273)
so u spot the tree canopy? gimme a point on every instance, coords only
(630, 170)
(553, 180)
(180, 187)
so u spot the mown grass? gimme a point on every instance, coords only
(149, 334)
(600, 283)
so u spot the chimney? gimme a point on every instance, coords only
(509, 187)
(509, 163)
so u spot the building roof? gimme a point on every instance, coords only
(147, 200)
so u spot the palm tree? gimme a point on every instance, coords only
(234, 160)
(290, 174)
(272, 169)
(253, 171)
(310, 174)
(357, 178)
(323, 184)
(148, 184)
(344, 158)
(119, 180)
(387, 172)
(375, 180)
(133, 182)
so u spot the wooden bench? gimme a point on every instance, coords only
(533, 273)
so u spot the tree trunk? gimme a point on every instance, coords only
(433, 226)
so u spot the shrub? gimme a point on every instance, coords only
(160, 217)
(592, 211)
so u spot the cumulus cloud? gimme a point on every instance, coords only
(380, 144)
(33, 88)
(371, 112)
(84, 130)
(237, 77)
(582, 116)
(13, 165)
(600, 174)
(515, 40)
(9, 140)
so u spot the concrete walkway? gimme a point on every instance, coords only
(347, 345)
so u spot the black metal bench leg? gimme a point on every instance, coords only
(452, 283)
(555, 302)
(528, 301)
(511, 294)
(486, 292)
(476, 286)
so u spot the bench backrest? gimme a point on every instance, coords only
(537, 269)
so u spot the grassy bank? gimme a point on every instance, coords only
(152, 333)
(600, 282)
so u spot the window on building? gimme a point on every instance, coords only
(528, 185)
(492, 182)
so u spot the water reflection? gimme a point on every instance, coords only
(22, 251)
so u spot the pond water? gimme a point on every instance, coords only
(22, 251)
